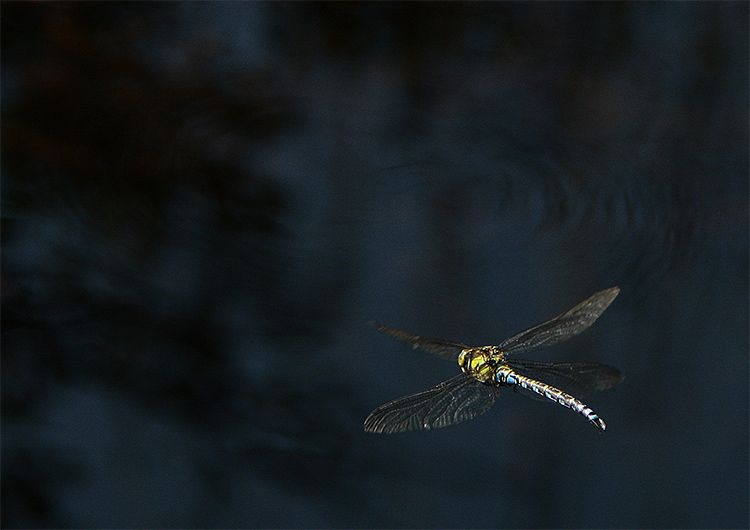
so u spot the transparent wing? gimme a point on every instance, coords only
(563, 326)
(440, 348)
(453, 401)
(576, 379)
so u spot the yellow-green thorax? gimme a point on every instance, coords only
(481, 363)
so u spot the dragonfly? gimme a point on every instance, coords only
(487, 369)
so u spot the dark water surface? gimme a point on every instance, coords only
(203, 204)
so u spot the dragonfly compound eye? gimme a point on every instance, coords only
(476, 362)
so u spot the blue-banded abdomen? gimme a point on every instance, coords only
(504, 375)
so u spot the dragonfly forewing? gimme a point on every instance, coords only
(440, 348)
(453, 401)
(563, 326)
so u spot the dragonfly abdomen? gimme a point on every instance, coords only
(509, 377)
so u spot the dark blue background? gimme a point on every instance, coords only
(204, 203)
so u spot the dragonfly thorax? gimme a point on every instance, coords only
(479, 363)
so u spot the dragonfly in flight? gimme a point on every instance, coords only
(486, 369)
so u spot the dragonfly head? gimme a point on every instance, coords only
(477, 362)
